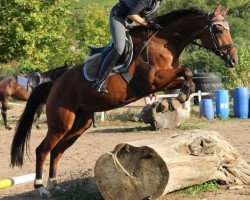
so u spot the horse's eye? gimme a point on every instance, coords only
(217, 31)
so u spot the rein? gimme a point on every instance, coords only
(145, 46)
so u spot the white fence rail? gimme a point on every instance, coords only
(187, 104)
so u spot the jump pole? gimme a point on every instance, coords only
(16, 180)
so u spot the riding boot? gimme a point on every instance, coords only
(106, 68)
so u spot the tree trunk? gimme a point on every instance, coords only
(148, 169)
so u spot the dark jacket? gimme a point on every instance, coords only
(132, 7)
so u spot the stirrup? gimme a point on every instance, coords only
(101, 87)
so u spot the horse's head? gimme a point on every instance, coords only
(217, 38)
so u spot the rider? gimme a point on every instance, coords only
(134, 10)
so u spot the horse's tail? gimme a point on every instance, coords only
(24, 125)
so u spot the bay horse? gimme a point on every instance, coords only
(71, 100)
(9, 87)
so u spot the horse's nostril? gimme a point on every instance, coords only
(233, 61)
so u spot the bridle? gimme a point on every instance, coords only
(220, 50)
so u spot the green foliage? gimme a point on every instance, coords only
(103, 3)
(35, 33)
(170, 5)
(93, 26)
(240, 76)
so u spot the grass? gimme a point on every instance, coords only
(193, 123)
(123, 116)
(210, 186)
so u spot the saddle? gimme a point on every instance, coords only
(32, 80)
(93, 62)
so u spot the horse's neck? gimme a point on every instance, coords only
(177, 35)
(186, 30)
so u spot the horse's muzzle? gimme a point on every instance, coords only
(231, 61)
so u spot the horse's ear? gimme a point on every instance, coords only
(224, 12)
(217, 11)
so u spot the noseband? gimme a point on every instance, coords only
(220, 50)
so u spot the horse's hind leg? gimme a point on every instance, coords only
(82, 122)
(56, 131)
(38, 115)
(57, 144)
(4, 114)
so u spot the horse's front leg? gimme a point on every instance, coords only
(184, 81)
(187, 87)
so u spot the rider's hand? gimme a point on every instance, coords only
(153, 26)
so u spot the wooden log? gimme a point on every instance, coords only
(150, 114)
(148, 169)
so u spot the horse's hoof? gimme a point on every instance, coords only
(52, 183)
(7, 126)
(43, 193)
(163, 107)
(182, 97)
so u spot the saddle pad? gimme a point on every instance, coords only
(92, 62)
(22, 81)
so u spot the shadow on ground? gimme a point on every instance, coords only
(122, 129)
(80, 188)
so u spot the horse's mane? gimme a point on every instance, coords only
(53, 74)
(168, 17)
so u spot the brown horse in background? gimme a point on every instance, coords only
(9, 87)
(72, 101)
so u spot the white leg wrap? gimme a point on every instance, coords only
(38, 181)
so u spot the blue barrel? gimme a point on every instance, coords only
(249, 107)
(222, 103)
(241, 102)
(207, 108)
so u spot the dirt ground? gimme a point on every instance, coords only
(76, 166)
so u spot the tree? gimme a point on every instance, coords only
(35, 33)
(92, 26)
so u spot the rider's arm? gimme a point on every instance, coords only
(135, 11)
(138, 19)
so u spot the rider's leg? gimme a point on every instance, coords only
(106, 68)
(118, 31)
